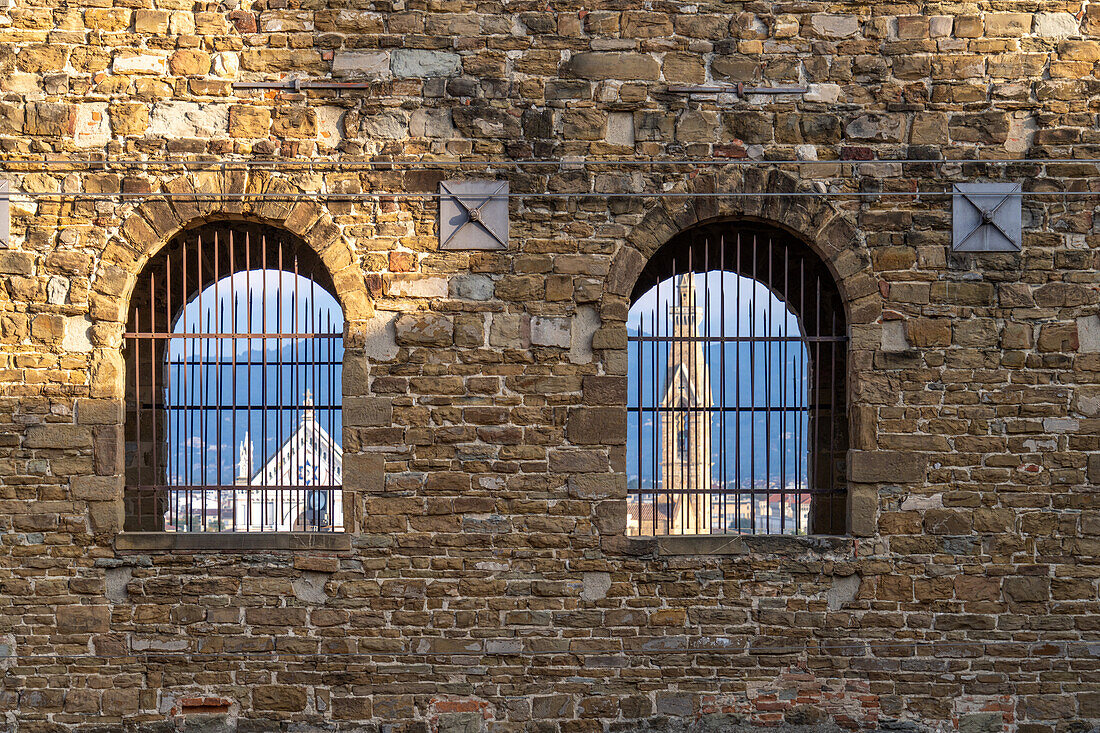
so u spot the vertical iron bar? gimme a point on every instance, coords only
(752, 389)
(294, 386)
(655, 368)
(737, 385)
(815, 448)
(708, 416)
(152, 348)
(783, 384)
(688, 434)
(769, 381)
(803, 389)
(832, 423)
(331, 397)
(722, 379)
(263, 380)
(185, 443)
(232, 255)
(248, 412)
(280, 409)
(641, 379)
(220, 348)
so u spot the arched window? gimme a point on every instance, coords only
(234, 353)
(736, 404)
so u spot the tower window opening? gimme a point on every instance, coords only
(736, 417)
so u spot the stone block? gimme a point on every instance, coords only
(361, 64)
(249, 121)
(406, 63)
(596, 426)
(834, 26)
(925, 332)
(597, 486)
(416, 286)
(1007, 24)
(151, 21)
(189, 62)
(128, 118)
(352, 708)
(510, 331)
(1055, 25)
(278, 697)
(606, 65)
(469, 329)
(552, 707)
(83, 619)
(1027, 589)
(367, 411)
(43, 118)
(58, 437)
(96, 488)
(550, 331)
(875, 467)
(364, 472)
(1058, 337)
(129, 62)
(295, 122)
(471, 287)
(424, 329)
(604, 390)
(1088, 334)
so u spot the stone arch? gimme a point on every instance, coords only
(154, 223)
(823, 226)
(150, 226)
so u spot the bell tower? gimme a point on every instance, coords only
(685, 419)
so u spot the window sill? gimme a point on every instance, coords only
(665, 546)
(231, 541)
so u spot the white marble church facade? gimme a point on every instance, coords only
(297, 488)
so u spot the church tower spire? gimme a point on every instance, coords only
(685, 430)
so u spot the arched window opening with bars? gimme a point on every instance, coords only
(736, 417)
(234, 354)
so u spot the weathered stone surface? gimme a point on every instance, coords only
(417, 63)
(613, 66)
(886, 467)
(50, 119)
(187, 119)
(361, 64)
(426, 329)
(486, 467)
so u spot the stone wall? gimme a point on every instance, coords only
(487, 584)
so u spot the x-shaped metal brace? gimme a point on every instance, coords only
(474, 215)
(988, 217)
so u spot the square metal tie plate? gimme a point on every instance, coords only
(473, 215)
(986, 217)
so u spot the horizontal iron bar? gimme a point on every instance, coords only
(236, 407)
(725, 408)
(739, 339)
(652, 496)
(242, 363)
(225, 488)
(168, 336)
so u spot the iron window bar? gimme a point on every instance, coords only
(736, 422)
(206, 378)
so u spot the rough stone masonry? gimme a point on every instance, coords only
(485, 582)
